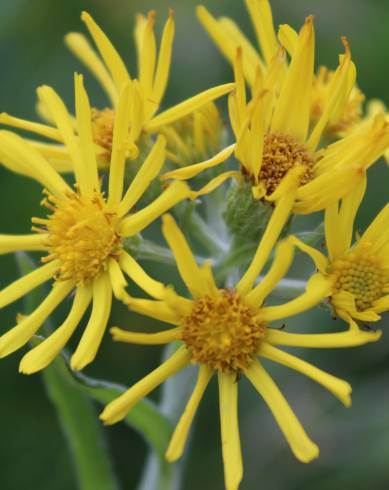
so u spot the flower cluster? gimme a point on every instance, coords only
(300, 143)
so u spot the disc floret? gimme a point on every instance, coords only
(222, 332)
(82, 234)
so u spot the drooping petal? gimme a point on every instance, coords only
(176, 192)
(303, 448)
(42, 355)
(228, 406)
(27, 283)
(215, 183)
(318, 288)
(349, 338)
(164, 337)
(119, 408)
(26, 328)
(180, 434)
(160, 310)
(94, 331)
(341, 389)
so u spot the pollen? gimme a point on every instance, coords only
(222, 332)
(102, 127)
(361, 275)
(82, 235)
(280, 154)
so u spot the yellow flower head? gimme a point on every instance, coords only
(228, 37)
(146, 91)
(359, 271)
(227, 330)
(83, 233)
(195, 137)
(273, 133)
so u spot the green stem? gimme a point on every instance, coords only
(206, 235)
(151, 251)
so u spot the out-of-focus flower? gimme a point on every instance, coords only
(110, 71)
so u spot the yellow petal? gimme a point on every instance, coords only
(62, 120)
(215, 183)
(164, 337)
(119, 408)
(19, 154)
(26, 243)
(303, 448)
(281, 263)
(131, 267)
(147, 56)
(164, 59)
(22, 333)
(350, 338)
(341, 389)
(292, 112)
(232, 455)
(42, 355)
(319, 259)
(82, 49)
(84, 125)
(175, 193)
(91, 338)
(275, 226)
(159, 310)
(27, 283)
(318, 287)
(193, 170)
(189, 270)
(262, 19)
(288, 37)
(148, 171)
(109, 54)
(118, 281)
(180, 434)
(188, 106)
(119, 146)
(33, 127)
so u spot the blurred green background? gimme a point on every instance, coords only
(354, 443)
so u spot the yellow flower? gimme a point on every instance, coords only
(225, 330)
(273, 136)
(110, 71)
(359, 271)
(196, 136)
(84, 231)
(228, 37)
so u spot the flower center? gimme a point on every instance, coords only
(361, 275)
(280, 153)
(102, 127)
(222, 332)
(82, 233)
